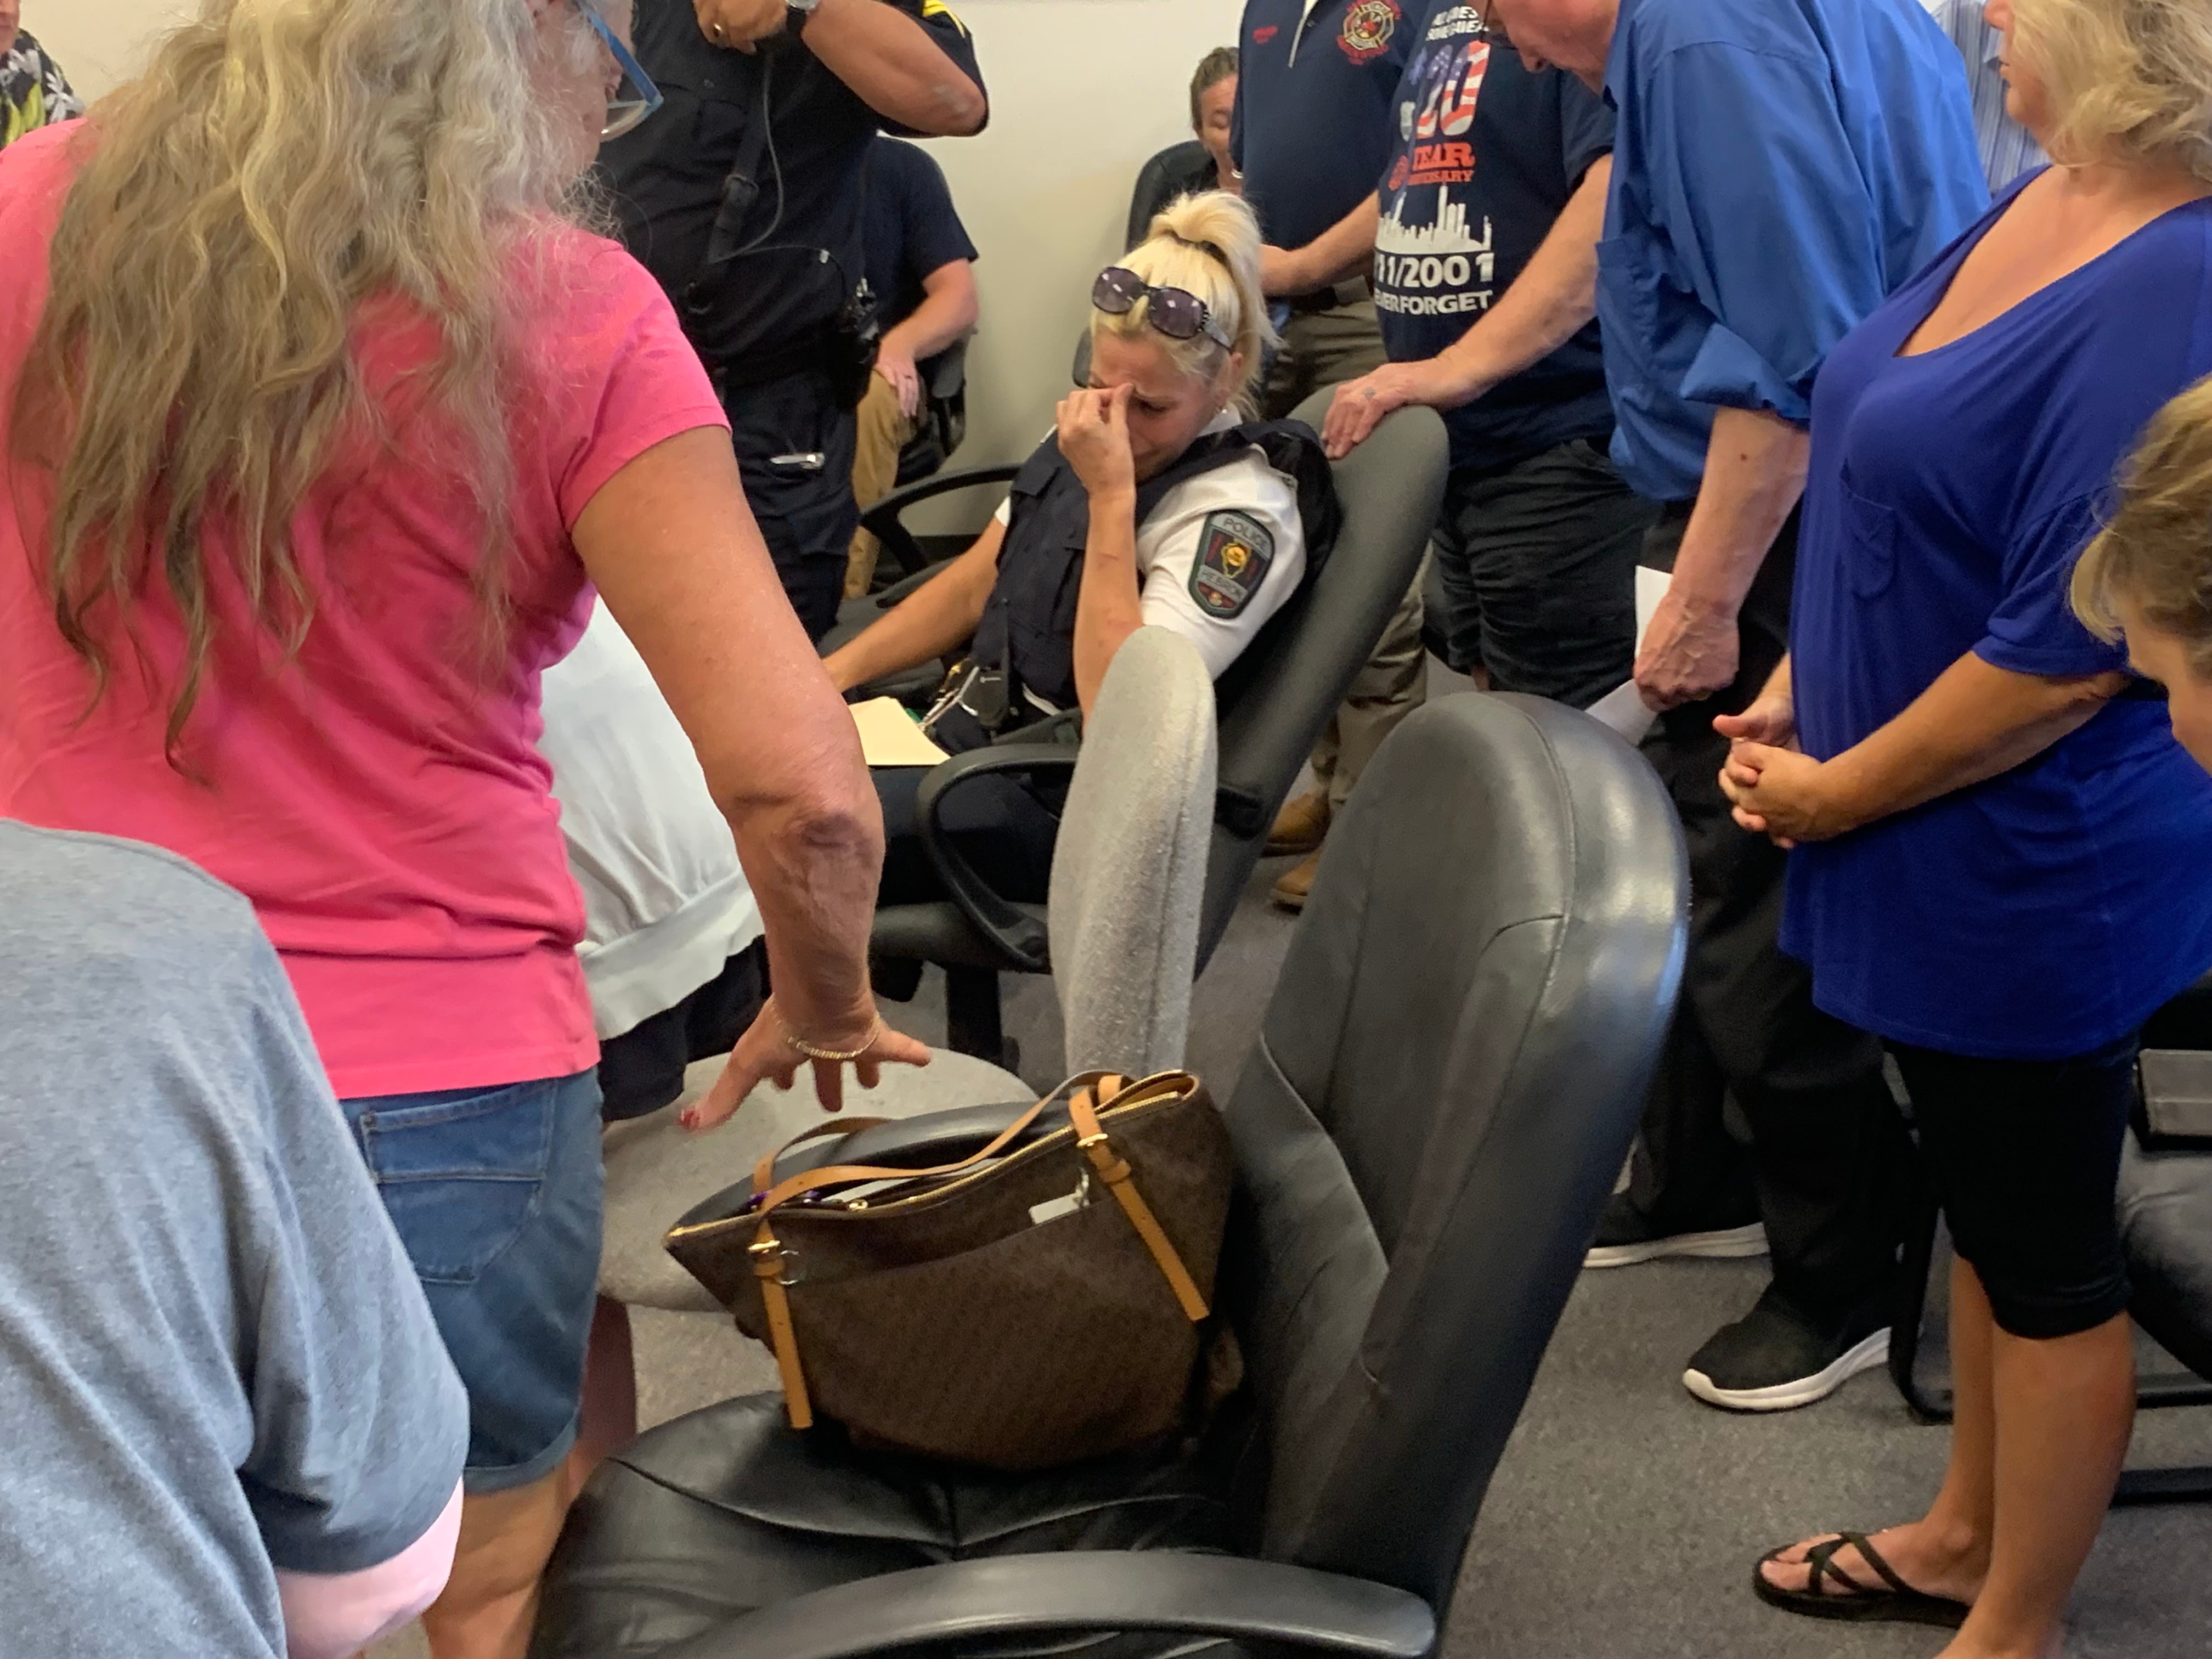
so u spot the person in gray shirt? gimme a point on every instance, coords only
(232, 1429)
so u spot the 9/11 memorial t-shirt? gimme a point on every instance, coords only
(1486, 155)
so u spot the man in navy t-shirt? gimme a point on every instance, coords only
(1317, 85)
(1486, 256)
(1317, 97)
(920, 266)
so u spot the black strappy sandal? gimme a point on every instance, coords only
(1857, 1603)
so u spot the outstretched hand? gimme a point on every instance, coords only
(765, 1051)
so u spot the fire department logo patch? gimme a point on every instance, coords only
(1234, 552)
(1368, 27)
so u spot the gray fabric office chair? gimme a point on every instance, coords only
(1273, 701)
(1448, 1079)
(1126, 884)
(1128, 871)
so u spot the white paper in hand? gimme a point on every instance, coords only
(1651, 586)
(889, 735)
(1624, 710)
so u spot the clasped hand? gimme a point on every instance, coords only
(1773, 788)
(1094, 439)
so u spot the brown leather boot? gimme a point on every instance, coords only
(1300, 825)
(1297, 882)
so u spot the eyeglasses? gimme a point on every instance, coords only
(634, 96)
(1175, 311)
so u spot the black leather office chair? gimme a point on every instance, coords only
(2165, 1227)
(942, 422)
(1449, 1073)
(1273, 700)
(1174, 171)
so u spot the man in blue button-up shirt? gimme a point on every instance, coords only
(1780, 166)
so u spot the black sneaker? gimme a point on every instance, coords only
(1626, 1237)
(1775, 1359)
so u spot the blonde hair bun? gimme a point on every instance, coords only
(1207, 245)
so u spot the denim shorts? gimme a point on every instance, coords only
(496, 1194)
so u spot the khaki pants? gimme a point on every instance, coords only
(885, 431)
(1321, 348)
(1325, 348)
(1392, 685)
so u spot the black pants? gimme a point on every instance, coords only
(2025, 1155)
(795, 443)
(642, 1070)
(1534, 575)
(1828, 1163)
(998, 825)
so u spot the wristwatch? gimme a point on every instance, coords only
(798, 14)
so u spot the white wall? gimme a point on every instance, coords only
(1082, 92)
(99, 42)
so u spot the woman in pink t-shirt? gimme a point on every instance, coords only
(320, 420)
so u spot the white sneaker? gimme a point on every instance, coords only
(1724, 1243)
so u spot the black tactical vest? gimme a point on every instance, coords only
(1028, 622)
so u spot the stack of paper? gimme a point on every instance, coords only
(889, 737)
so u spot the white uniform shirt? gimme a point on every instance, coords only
(666, 903)
(1204, 510)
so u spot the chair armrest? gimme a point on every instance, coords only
(999, 920)
(948, 371)
(1082, 1590)
(885, 520)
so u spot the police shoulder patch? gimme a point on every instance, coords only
(1234, 552)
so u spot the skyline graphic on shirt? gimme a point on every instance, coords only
(1448, 232)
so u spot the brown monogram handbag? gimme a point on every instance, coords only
(1034, 1303)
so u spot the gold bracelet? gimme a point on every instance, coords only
(835, 1056)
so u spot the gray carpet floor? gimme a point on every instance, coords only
(1624, 1517)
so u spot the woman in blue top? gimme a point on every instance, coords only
(2005, 862)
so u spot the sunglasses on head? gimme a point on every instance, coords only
(1175, 311)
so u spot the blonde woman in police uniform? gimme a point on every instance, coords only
(1151, 503)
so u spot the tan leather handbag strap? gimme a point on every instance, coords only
(1115, 1171)
(768, 1258)
(772, 1198)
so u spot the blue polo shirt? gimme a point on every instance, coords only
(1781, 167)
(1488, 154)
(1317, 93)
(2047, 911)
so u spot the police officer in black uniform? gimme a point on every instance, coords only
(1152, 504)
(746, 198)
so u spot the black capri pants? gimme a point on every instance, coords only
(2025, 1156)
